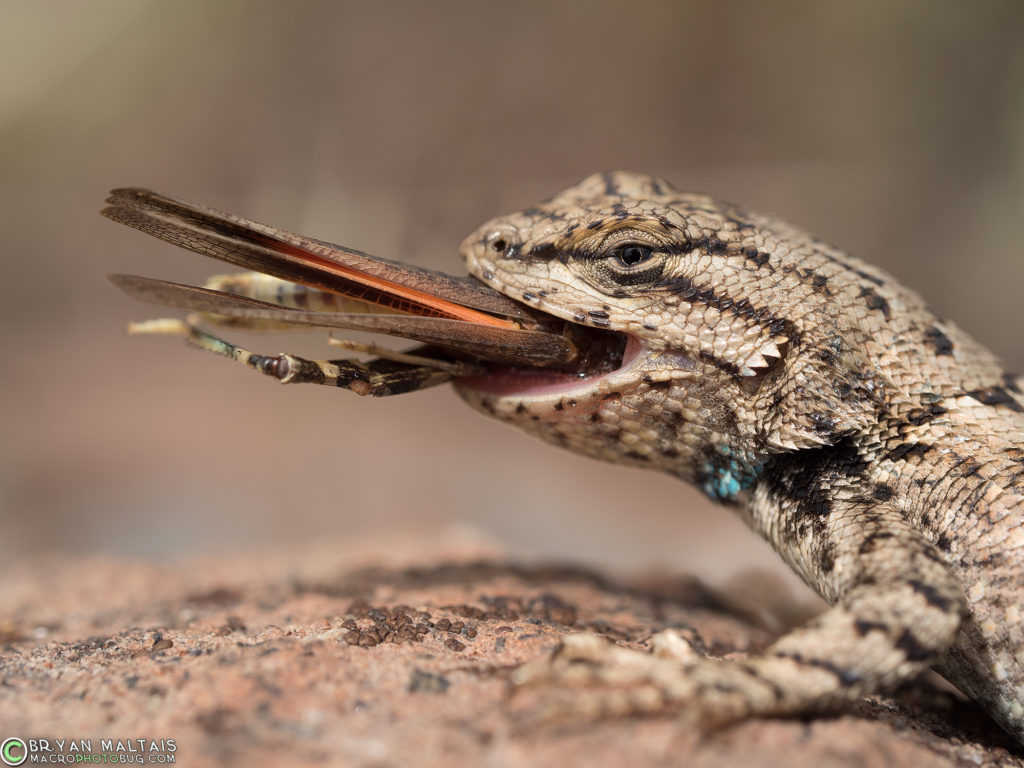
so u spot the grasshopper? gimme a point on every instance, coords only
(296, 283)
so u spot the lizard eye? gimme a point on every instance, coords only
(632, 263)
(631, 255)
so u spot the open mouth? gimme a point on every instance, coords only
(600, 353)
(470, 332)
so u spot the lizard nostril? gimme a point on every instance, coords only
(499, 245)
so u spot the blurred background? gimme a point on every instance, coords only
(893, 129)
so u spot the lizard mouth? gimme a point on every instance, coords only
(601, 353)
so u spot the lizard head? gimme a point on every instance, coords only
(701, 352)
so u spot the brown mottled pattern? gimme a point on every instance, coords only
(872, 443)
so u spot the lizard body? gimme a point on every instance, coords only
(874, 445)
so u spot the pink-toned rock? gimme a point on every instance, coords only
(395, 652)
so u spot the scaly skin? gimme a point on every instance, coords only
(873, 444)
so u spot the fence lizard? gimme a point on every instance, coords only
(874, 445)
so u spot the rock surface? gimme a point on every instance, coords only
(396, 652)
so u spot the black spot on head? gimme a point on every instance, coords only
(611, 187)
(1010, 382)
(520, 409)
(711, 245)
(597, 224)
(758, 258)
(546, 214)
(874, 301)
(938, 341)
(858, 272)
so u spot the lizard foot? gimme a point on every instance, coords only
(589, 678)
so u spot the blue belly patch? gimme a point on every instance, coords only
(725, 479)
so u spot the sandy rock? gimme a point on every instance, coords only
(394, 653)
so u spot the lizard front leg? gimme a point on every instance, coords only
(897, 608)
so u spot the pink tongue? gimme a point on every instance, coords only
(523, 381)
(538, 381)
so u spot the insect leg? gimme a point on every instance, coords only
(373, 377)
(456, 368)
